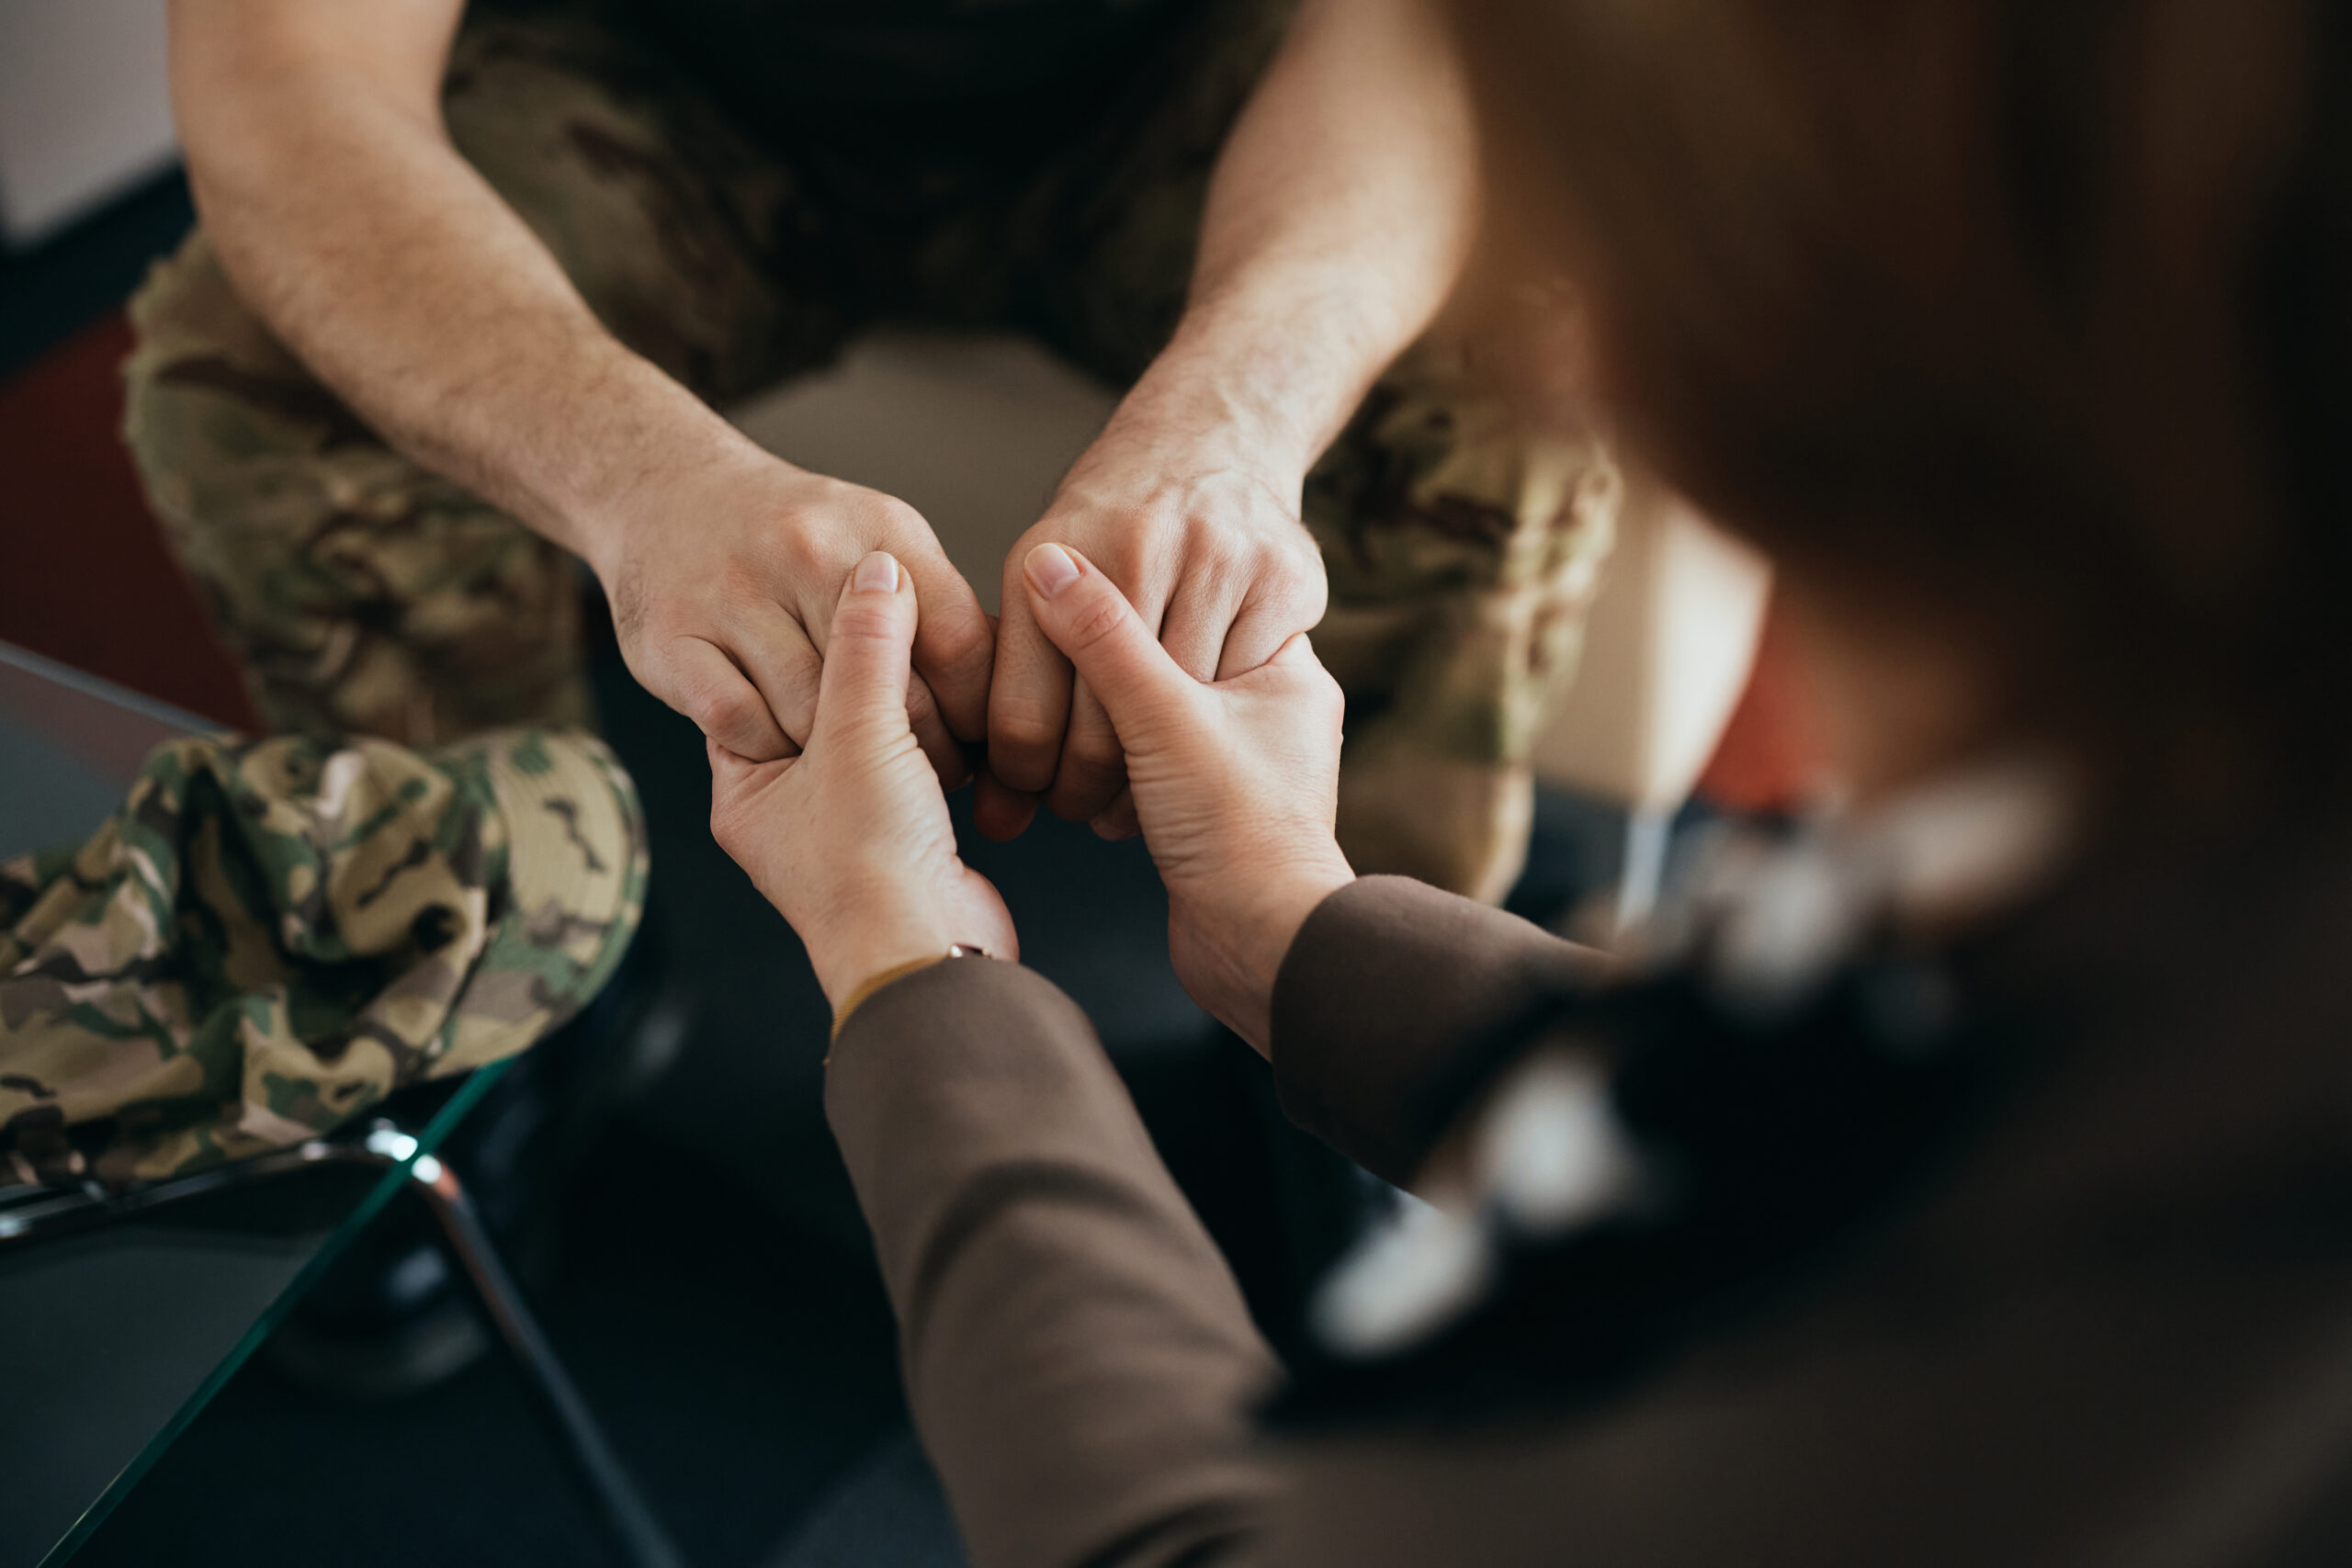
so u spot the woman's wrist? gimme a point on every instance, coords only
(1283, 908)
(1231, 955)
(847, 964)
(865, 989)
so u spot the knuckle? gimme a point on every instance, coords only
(1212, 574)
(1230, 548)
(795, 705)
(1027, 775)
(723, 714)
(1287, 555)
(1025, 731)
(891, 519)
(654, 617)
(802, 554)
(721, 708)
(1079, 506)
(1059, 524)
(963, 639)
(1013, 578)
(1298, 558)
(1094, 751)
(1134, 565)
(1291, 601)
(1317, 589)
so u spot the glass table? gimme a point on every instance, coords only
(127, 1313)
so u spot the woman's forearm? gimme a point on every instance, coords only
(1079, 1361)
(1387, 992)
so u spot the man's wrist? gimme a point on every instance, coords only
(1173, 429)
(680, 446)
(1280, 367)
(1226, 397)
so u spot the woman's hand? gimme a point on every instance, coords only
(1208, 551)
(1236, 783)
(850, 839)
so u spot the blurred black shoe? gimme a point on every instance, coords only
(393, 1316)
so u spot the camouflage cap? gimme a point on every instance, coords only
(270, 936)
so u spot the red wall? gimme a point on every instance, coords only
(84, 574)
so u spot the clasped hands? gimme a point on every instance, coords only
(1233, 783)
(722, 574)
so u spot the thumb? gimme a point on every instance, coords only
(863, 686)
(1083, 612)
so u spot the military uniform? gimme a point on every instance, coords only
(270, 936)
(736, 238)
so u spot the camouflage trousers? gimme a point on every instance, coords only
(268, 937)
(367, 594)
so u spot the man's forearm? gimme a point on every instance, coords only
(354, 229)
(1338, 223)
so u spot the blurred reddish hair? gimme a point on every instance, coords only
(2023, 317)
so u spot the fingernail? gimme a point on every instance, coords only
(1049, 569)
(877, 573)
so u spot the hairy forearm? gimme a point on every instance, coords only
(377, 253)
(1338, 223)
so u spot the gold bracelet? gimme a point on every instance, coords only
(873, 982)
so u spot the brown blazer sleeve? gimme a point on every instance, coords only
(1079, 1363)
(1385, 991)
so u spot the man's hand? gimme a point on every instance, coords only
(1338, 220)
(850, 839)
(1206, 547)
(723, 583)
(1236, 783)
(453, 332)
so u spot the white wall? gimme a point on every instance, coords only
(84, 111)
(1667, 655)
(974, 432)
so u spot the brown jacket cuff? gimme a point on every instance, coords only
(1389, 994)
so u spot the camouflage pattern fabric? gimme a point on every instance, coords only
(268, 937)
(367, 594)
(1464, 552)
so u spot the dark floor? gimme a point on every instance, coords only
(737, 1366)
